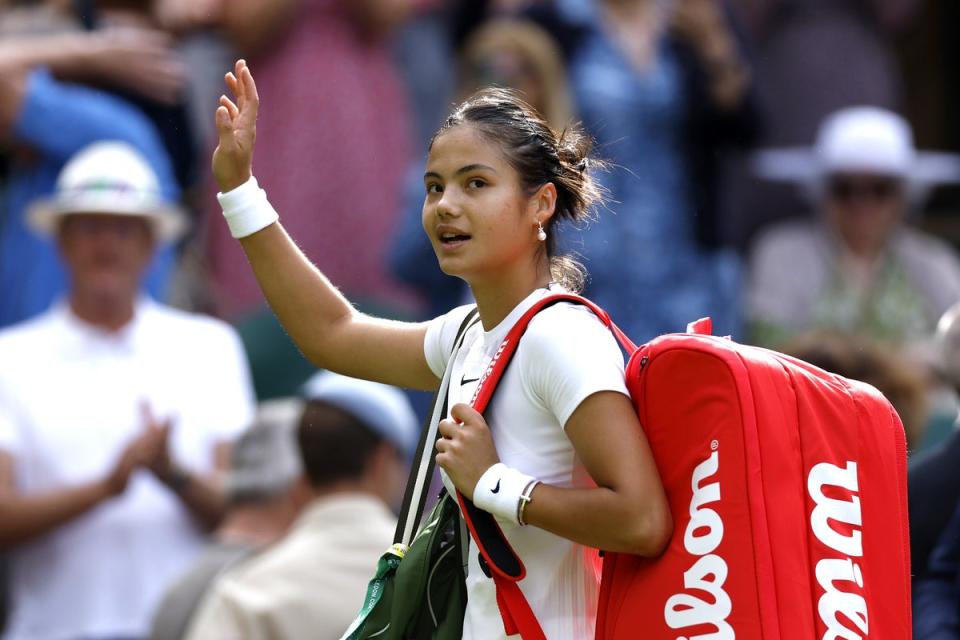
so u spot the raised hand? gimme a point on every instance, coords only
(466, 449)
(236, 129)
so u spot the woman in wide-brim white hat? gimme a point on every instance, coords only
(855, 267)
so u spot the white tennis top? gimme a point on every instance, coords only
(565, 356)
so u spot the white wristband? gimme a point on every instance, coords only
(498, 491)
(247, 209)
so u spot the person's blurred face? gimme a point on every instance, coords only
(106, 255)
(508, 67)
(864, 209)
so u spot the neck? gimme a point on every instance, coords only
(495, 300)
(258, 525)
(106, 313)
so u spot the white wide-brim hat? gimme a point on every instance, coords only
(112, 178)
(866, 140)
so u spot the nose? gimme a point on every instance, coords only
(446, 205)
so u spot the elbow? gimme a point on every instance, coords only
(652, 533)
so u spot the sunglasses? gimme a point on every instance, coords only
(848, 190)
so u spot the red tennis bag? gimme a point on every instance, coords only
(787, 486)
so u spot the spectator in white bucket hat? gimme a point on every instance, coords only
(856, 266)
(116, 414)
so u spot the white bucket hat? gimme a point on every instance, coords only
(860, 140)
(108, 177)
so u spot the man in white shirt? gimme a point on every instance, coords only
(115, 414)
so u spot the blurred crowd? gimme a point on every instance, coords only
(170, 465)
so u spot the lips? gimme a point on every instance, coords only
(450, 236)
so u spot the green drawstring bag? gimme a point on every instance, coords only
(419, 590)
(419, 593)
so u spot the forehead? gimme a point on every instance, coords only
(93, 221)
(464, 145)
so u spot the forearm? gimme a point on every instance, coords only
(202, 496)
(600, 518)
(25, 518)
(68, 56)
(325, 326)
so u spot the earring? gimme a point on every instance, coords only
(541, 234)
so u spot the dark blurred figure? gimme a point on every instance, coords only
(665, 88)
(934, 485)
(814, 57)
(354, 439)
(260, 508)
(934, 480)
(115, 413)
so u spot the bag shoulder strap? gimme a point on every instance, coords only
(421, 470)
(496, 553)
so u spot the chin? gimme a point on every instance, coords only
(450, 267)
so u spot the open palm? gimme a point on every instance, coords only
(236, 129)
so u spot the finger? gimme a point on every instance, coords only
(224, 125)
(443, 461)
(448, 428)
(231, 108)
(146, 413)
(465, 414)
(250, 93)
(238, 68)
(233, 86)
(441, 445)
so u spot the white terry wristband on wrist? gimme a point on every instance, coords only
(247, 209)
(500, 490)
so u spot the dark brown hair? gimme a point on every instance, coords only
(333, 444)
(539, 155)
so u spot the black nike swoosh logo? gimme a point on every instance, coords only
(496, 489)
(464, 380)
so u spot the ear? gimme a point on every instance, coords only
(543, 203)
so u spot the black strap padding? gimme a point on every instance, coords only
(490, 535)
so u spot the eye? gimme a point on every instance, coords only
(476, 183)
(434, 188)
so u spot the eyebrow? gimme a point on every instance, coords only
(461, 171)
